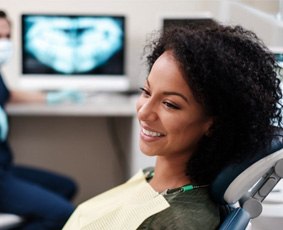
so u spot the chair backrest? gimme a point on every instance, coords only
(240, 188)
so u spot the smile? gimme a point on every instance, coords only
(151, 133)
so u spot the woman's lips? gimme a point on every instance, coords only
(149, 135)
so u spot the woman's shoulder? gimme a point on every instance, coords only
(188, 210)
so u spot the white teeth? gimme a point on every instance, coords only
(150, 133)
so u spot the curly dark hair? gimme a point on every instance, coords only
(234, 77)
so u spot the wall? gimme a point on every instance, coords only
(264, 24)
(268, 6)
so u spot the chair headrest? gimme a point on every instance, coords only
(236, 179)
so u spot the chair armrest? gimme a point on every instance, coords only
(238, 219)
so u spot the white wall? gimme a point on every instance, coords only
(264, 24)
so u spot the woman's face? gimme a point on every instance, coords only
(5, 29)
(171, 120)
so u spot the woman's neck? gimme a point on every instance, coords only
(169, 174)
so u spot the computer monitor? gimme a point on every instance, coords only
(193, 22)
(73, 51)
(278, 54)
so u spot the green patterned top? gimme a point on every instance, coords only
(190, 210)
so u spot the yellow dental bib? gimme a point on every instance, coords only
(122, 208)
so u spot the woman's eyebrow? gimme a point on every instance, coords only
(168, 93)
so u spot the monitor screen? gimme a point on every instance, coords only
(192, 22)
(279, 58)
(73, 46)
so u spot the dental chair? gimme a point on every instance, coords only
(241, 188)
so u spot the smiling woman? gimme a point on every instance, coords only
(209, 99)
(161, 104)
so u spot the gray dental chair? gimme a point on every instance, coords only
(241, 188)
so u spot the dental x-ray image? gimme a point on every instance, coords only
(73, 44)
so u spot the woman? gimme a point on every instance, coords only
(210, 99)
(41, 197)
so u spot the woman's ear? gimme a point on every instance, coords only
(208, 126)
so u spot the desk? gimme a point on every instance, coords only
(102, 105)
(77, 140)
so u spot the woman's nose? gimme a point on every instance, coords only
(147, 111)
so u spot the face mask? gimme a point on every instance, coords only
(6, 50)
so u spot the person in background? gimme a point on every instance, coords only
(41, 197)
(210, 99)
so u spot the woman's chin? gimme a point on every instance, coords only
(147, 151)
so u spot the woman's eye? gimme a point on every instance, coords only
(144, 92)
(171, 105)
